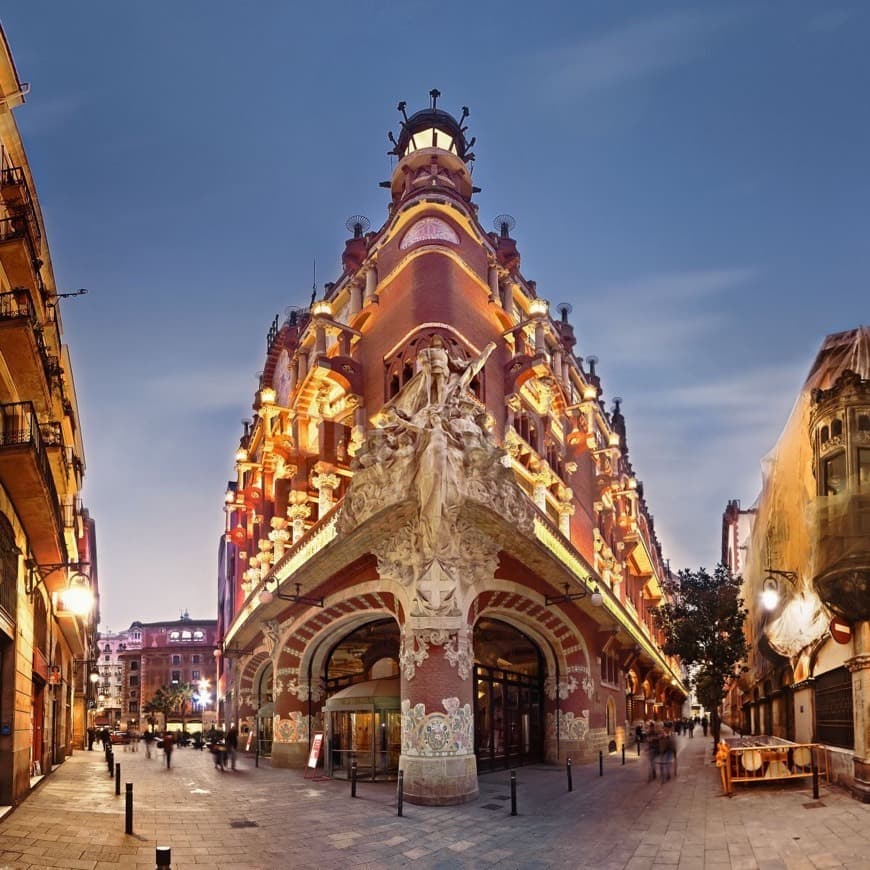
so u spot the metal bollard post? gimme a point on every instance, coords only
(128, 809)
(164, 858)
(400, 791)
(600, 763)
(637, 744)
(623, 754)
(513, 792)
(110, 762)
(815, 782)
(353, 779)
(570, 777)
(118, 777)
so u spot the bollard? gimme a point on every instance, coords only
(637, 744)
(513, 792)
(118, 777)
(815, 783)
(570, 778)
(600, 763)
(353, 779)
(623, 754)
(128, 809)
(400, 791)
(110, 762)
(164, 858)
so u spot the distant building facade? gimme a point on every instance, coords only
(806, 569)
(48, 558)
(437, 552)
(151, 655)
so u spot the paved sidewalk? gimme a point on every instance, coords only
(264, 818)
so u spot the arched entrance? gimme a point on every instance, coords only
(364, 722)
(509, 697)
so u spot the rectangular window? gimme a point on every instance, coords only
(176, 660)
(134, 681)
(834, 474)
(194, 675)
(133, 707)
(863, 468)
(195, 660)
(134, 666)
(176, 676)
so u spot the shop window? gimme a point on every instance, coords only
(834, 474)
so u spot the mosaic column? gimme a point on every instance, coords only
(436, 660)
(291, 725)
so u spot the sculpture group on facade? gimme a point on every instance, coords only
(433, 450)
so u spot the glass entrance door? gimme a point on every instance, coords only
(507, 723)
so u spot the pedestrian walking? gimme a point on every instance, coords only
(652, 751)
(667, 755)
(233, 745)
(92, 736)
(149, 741)
(168, 746)
(705, 724)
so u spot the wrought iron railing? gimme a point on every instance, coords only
(19, 427)
(18, 304)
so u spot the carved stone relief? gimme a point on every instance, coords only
(414, 649)
(570, 726)
(437, 734)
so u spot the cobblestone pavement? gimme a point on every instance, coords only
(264, 818)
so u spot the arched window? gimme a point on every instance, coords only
(610, 711)
(825, 435)
(836, 428)
(40, 625)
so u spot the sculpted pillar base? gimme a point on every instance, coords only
(439, 781)
(293, 755)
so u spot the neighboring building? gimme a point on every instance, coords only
(151, 655)
(807, 569)
(110, 688)
(436, 548)
(48, 562)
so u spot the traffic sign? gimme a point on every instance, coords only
(841, 631)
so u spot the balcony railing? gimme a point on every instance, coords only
(18, 305)
(21, 226)
(19, 427)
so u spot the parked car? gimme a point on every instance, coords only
(119, 737)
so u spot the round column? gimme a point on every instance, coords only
(437, 713)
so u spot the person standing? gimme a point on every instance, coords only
(232, 745)
(92, 736)
(168, 746)
(705, 724)
(149, 739)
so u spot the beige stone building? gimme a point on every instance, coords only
(48, 564)
(803, 549)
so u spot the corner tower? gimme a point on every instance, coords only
(437, 552)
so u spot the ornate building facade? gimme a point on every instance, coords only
(48, 568)
(436, 549)
(805, 561)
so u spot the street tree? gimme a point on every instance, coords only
(702, 620)
(161, 702)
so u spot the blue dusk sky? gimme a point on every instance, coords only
(692, 178)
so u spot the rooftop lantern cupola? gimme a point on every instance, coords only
(432, 151)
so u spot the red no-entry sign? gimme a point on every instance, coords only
(841, 631)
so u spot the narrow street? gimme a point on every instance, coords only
(264, 818)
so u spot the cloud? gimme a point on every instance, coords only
(671, 313)
(829, 21)
(633, 51)
(213, 389)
